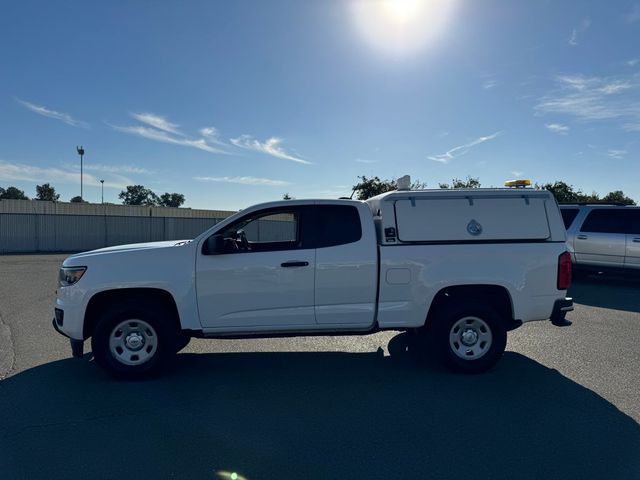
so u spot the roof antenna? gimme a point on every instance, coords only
(350, 197)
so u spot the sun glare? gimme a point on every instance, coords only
(401, 27)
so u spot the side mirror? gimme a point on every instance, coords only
(213, 245)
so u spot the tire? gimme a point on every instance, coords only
(182, 340)
(134, 340)
(469, 338)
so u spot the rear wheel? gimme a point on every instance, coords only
(133, 341)
(470, 338)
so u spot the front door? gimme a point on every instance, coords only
(263, 280)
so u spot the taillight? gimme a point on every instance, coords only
(564, 271)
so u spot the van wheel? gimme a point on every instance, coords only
(133, 341)
(470, 338)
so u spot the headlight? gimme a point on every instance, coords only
(70, 275)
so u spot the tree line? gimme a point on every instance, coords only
(132, 195)
(365, 188)
(368, 187)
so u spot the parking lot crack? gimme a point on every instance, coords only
(7, 353)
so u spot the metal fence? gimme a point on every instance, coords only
(73, 233)
(31, 226)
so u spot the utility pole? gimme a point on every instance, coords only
(102, 185)
(80, 151)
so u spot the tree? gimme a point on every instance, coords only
(618, 196)
(78, 199)
(566, 193)
(46, 192)
(286, 196)
(12, 193)
(371, 186)
(171, 199)
(470, 182)
(138, 195)
(563, 192)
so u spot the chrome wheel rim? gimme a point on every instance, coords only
(133, 342)
(470, 338)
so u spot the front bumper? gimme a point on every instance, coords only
(560, 309)
(77, 346)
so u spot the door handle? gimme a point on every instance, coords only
(582, 237)
(636, 240)
(294, 264)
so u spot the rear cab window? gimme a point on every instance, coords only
(335, 225)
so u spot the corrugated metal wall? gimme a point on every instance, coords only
(31, 226)
(23, 233)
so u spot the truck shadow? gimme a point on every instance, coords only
(312, 415)
(618, 292)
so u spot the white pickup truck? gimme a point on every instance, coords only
(461, 266)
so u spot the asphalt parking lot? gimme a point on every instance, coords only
(563, 403)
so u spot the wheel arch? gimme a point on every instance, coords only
(497, 296)
(101, 300)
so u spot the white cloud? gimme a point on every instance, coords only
(166, 137)
(489, 84)
(271, 146)
(29, 173)
(578, 31)
(209, 132)
(157, 121)
(634, 15)
(557, 128)
(632, 62)
(45, 112)
(462, 149)
(617, 154)
(517, 173)
(245, 181)
(212, 136)
(364, 160)
(99, 167)
(160, 129)
(593, 98)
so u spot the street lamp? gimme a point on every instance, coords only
(80, 151)
(102, 185)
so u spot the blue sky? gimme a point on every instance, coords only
(233, 103)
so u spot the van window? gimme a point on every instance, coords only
(336, 225)
(634, 221)
(606, 220)
(568, 216)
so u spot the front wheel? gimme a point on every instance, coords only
(133, 341)
(469, 339)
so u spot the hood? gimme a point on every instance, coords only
(132, 247)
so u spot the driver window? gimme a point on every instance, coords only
(264, 232)
(277, 227)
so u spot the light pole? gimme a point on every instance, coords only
(80, 151)
(102, 185)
